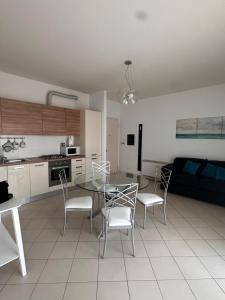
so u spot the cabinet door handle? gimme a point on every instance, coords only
(78, 159)
(40, 165)
(94, 154)
(78, 167)
(18, 167)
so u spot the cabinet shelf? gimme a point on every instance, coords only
(8, 247)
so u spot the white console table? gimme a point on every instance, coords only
(152, 168)
(10, 249)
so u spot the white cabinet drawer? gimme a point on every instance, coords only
(3, 173)
(78, 169)
(78, 161)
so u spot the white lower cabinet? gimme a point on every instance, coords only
(3, 173)
(89, 161)
(19, 180)
(39, 178)
(77, 168)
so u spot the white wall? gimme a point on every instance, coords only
(158, 116)
(113, 109)
(20, 88)
(98, 102)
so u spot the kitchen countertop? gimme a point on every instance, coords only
(34, 160)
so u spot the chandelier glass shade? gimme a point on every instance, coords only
(128, 95)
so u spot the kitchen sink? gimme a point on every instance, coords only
(9, 161)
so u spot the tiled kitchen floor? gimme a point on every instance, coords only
(183, 260)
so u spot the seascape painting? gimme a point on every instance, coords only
(201, 128)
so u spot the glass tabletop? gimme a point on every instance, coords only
(96, 183)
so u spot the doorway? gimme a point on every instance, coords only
(112, 150)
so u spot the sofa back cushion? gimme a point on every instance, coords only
(219, 163)
(209, 171)
(191, 167)
(220, 173)
(214, 169)
(179, 163)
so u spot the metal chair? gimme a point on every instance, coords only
(100, 169)
(119, 210)
(74, 204)
(151, 200)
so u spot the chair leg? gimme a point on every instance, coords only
(64, 227)
(164, 212)
(132, 238)
(91, 219)
(145, 211)
(99, 200)
(105, 241)
(153, 210)
(103, 226)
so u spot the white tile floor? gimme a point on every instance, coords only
(183, 260)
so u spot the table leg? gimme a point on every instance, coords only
(17, 229)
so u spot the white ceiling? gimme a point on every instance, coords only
(175, 45)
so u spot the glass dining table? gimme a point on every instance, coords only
(97, 183)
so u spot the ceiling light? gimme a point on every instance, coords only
(128, 95)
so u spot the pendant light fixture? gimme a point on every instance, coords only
(128, 95)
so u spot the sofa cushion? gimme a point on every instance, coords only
(213, 185)
(218, 163)
(220, 173)
(191, 167)
(179, 163)
(185, 180)
(209, 171)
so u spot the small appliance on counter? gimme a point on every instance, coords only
(5, 195)
(69, 150)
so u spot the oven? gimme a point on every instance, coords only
(54, 167)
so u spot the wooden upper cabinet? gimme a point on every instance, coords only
(54, 120)
(26, 118)
(72, 122)
(19, 117)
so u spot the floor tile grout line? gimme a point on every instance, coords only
(178, 268)
(71, 267)
(154, 272)
(99, 255)
(128, 290)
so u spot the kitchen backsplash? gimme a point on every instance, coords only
(35, 146)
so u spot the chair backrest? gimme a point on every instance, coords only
(64, 185)
(100, 168)
(121, 195)
(165, 180)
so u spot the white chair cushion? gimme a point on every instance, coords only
(118, 216)
(149, 199)
(79, 202)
